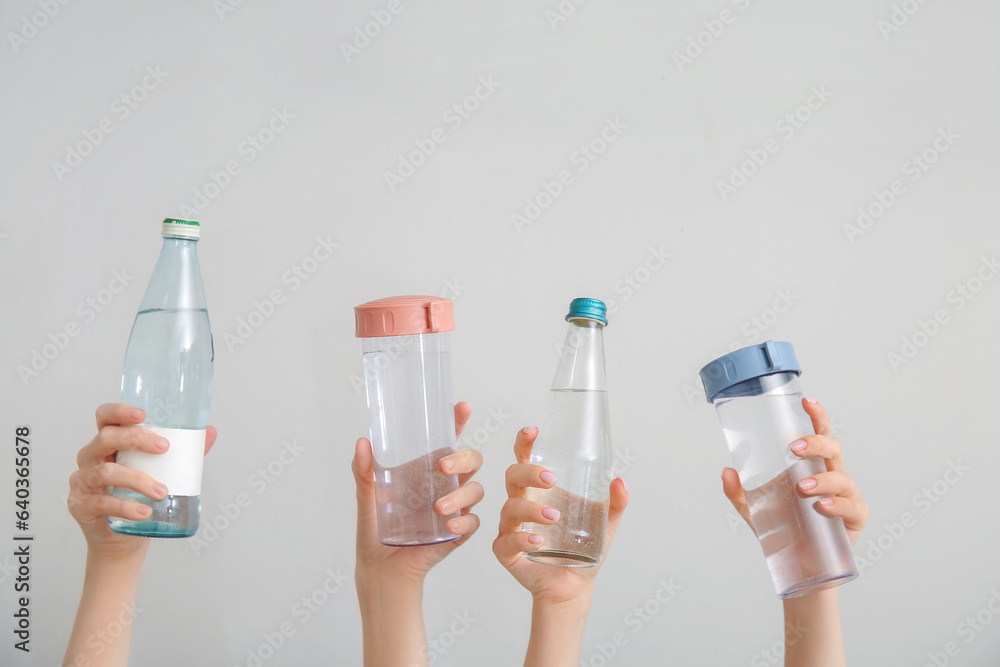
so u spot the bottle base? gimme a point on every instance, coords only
(173, 516)
(561, 558)
(417, 539)
(817, 584)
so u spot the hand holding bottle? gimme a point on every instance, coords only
(113, 559)
(813, 635)
(88, 500)
(561, 595)
(845, 496)
(390, 579)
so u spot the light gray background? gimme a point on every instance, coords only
(450, 224)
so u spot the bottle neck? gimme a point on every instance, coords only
(176, 280)
(581, 361)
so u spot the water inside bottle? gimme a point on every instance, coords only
(406, 495)
(573, 442)
(805, 550)
(167, 373)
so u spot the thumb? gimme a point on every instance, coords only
(619, 501)
(734, 491)
(364, 475)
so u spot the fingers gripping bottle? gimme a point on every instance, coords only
(168, 373)
(574, 442)
(411, 413)
(756, 394)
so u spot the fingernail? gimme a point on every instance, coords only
(548, 477)
(161, 444)
(810, 400)
(527, 430)
(448, 465)
(624, 485)
(807, 483)
(535, 539)
(798, 445)
(145, 510)
(160, 490)
(137, 413)
(446, 505)
(826, 501)
(550, 513)
(453, 526)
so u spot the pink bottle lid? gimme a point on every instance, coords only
(403, 316)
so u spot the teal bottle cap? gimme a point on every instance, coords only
(591, 309)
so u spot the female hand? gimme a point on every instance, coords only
(548, 583)
(411, 564)
(845, 500)
(89, 501)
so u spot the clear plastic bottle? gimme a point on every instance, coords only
(756, 394)
(411, 413)
(168, 373)
(574, 442)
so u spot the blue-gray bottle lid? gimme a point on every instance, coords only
(593, 309)
(746, 364)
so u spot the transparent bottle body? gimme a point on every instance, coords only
(805, 550)
(411, 415)
(574, 442)
(168, 373)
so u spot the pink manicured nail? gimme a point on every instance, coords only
(446, 505)
(527, 430)
(799, 445)
(161, 444)
(535, 539)
(826, 501)
(807, 483)
(137, 413)
(550, 513)
(624, 485)
(159, 489)
(145, 510)
(810, 400)
(448, 465)
(548, 477)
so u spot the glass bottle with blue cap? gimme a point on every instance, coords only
(756, 394)
(574, 442)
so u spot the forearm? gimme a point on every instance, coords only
(392, 620)
(102, 632)
(557, 632)
(813, 636)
